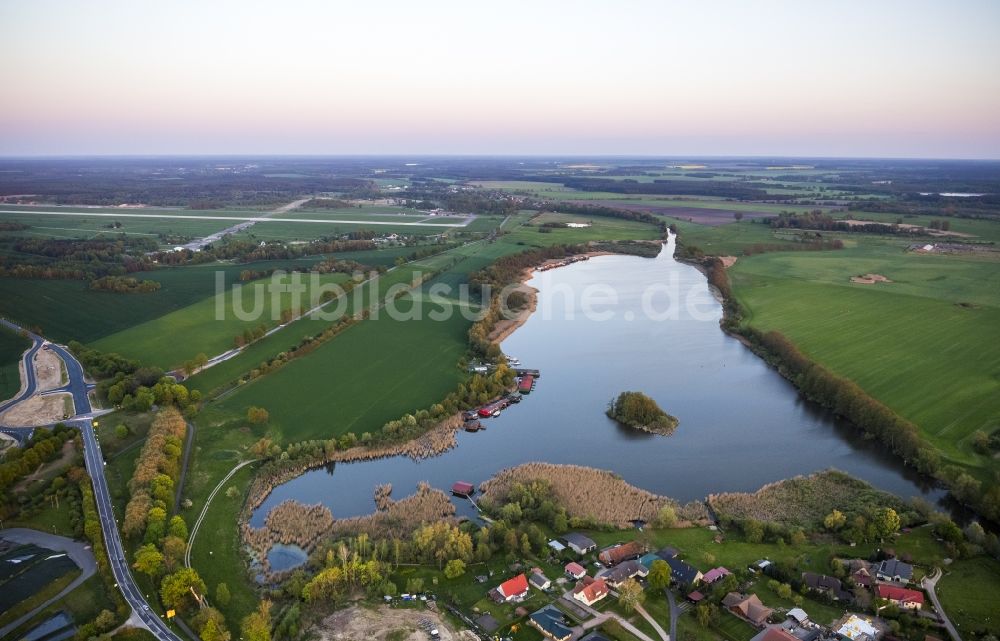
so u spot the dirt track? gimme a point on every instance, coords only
(38, 410)
(48, 370)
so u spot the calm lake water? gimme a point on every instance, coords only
(741, 424)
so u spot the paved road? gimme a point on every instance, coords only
(79, 552)
(94, 459)
(928, 583)
(201, 243)
(675, 613)
(29, 368)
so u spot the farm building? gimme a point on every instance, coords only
(622, 552)
(579, 543)
(590, 590)
(901, 597)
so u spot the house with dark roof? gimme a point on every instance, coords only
(681, 573)
(667, 553)
(539, 580)
(551, 623)
(894, 570)
(590, 590)
(903, 598)
(747, 607)
(623, 572)
(622, 552)
(579, 543)
(828, 585)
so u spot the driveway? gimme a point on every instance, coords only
(929, 583)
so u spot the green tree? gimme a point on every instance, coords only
(454, 569)
(257, 415)
(148, 560)
(886, 522)
(121, 431)
(222, 595)
(834, 520)
(175, 590)
(256, 626)
(667, 517)
(659, 575)
(178, 527)
(753, 530)
(704, 615)
(630, 595)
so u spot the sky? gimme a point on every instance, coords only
(876, 78)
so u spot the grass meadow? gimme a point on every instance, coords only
(12, 346)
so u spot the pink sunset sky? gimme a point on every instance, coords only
(882, 78)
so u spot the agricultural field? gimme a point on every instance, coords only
(77, 223)
(201, 328)
(42, 575)
(12, 346)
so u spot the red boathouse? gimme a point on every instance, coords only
(461, 488)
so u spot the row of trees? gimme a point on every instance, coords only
(124, 285)
(18, 462)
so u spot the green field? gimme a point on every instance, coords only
(968, 593)
(210, 325)
(12, 346)
(926, 344)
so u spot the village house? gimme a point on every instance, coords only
(623, 572)
(539, 580)
(747, 607)
(894, 570)
(590, 590)
(774, 633)
(551, 623)
(902, 598)
(828, 585)
(575, 571)
(860, 572)
(622, 552)
(760, 567)
(855, 628)
(667, 553)
(682, 573)
(715, 574)
(579, 543)
(512, 590)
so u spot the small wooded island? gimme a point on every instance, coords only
(639, 411)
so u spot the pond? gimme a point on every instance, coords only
(741, 424)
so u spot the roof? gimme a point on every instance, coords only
(903, 595)
(513, 587)
(681, 571)
(855, 627)
(895, 567)
(773, 633)
(575, 568)
(551, 621)
(462, 487)
(623, 552)
(695, 596)
(591, 588)
(649, 559)
(798, 614)
(667, 553)
(748, 605)
(624, 571)
(579, 540)
(538, 580)
(715, 574)
(556, 545)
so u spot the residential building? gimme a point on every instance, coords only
(551, 623)
(829, 585)
(590, 590)
(539, 580)
(894, 570)
(623, 572)
(513, 590)
(575, 571)
(903, 598)
(774, 633)
(748, 607)
(682, 573)
(579, 543)
(855, 628)
(715, 574)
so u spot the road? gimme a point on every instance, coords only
(675, 613)
(94, 459)
(204, 510)
(201, 243)
(929, 583)
(79, 552)
(29, 368)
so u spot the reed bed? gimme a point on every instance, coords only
(437, 440)
(590, 494)
(295, 523)
(802, 500)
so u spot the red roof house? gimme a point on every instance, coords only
(903, 597)
(575, 570)
(590, 590)
(514, 589)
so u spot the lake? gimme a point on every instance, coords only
(741, 424)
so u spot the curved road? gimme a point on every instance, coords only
(29, 369)
(94, 459)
